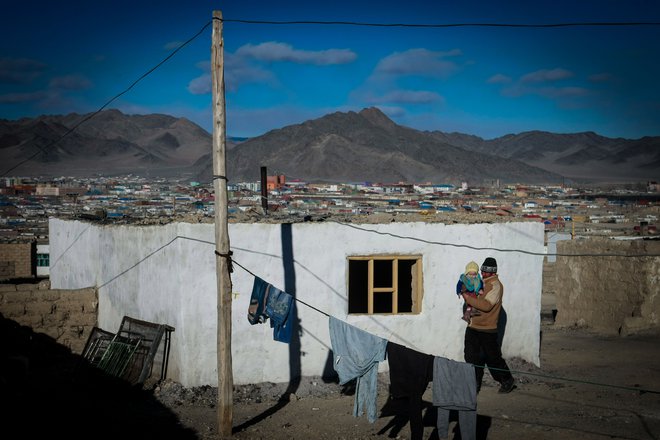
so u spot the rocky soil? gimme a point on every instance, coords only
(588, 386)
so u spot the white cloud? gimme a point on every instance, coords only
(540, 83)
(238, 71)
(499, 79)
(18, 98)
(407, 96)
(200, 85)
(172, 45)
(392, 111)
(70, 82)
(563, 92)
(242, 67)
(547, 92)
(20, 70)
(601, 77)
(546, 75)
(276, 51)
(54, 96)
(422, 62)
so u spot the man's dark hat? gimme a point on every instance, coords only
(490, 265)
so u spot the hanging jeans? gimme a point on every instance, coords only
(410, 373)
(281, 308)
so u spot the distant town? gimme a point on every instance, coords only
(27, 203)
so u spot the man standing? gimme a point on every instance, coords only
(481, 333)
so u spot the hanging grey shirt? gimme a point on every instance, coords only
(356, 355)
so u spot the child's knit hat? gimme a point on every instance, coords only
(471, 267)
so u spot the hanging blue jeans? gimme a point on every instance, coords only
(257, 309)
(281, 308)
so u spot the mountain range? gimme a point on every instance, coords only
(338, 147)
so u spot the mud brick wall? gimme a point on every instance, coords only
(67, 316)
(16, 260)
(610, 295)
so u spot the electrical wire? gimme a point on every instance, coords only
(295, 298)
(91, 115)
(403, 237)
(171, 54)
(443, 25)
(477, 248)
(319, 22)
(446, 25)
(547, 376)
(586, 382)
(640, 390)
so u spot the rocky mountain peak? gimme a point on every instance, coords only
(377, 117)
(338, 147)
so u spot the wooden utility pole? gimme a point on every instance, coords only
(225, 374)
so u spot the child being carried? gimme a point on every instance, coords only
(471, 283)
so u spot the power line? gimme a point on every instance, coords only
(43, 150)
(151, 254)
(637, 389)
(446, 25)
(640, 390)
(91, 115)
(403, 237)
(320, 22)
(477, 248)
(547, 376)
(69, 247)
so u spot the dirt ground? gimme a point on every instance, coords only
(589, 387)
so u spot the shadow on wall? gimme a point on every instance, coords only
(295, 370)
(50, 392)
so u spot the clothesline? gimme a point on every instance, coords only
(640, 390)
(296, 299)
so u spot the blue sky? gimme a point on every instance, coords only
(64, 57)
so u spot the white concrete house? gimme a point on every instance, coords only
(166, 274)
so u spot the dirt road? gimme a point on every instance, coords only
(589, 387)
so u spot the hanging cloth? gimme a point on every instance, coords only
(281, 308)
(455, 388)
(410, 374)
(356, 356)
(267, 301)
(257, 309)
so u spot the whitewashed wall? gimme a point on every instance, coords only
(146, 272)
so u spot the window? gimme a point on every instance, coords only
(43, 260)
(389, 284)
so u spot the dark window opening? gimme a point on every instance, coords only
(384, 284)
